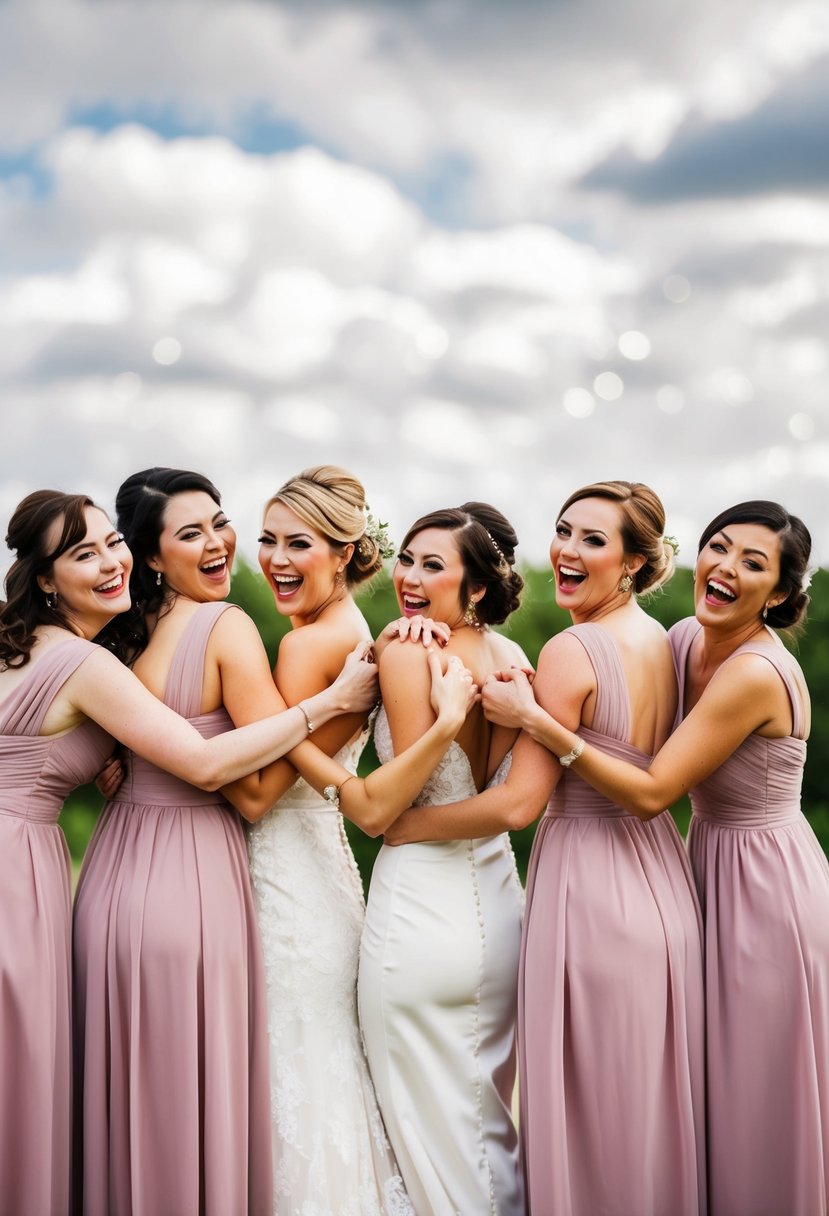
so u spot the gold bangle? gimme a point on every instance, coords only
(304, 713)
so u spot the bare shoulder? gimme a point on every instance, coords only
(403, 658)
(507, 652)
(753, 671)
(323, 644)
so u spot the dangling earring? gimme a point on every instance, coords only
(51, 600)
(158, 578)
(470, 617)
(765, 612)
(339, 579)
(625, 584)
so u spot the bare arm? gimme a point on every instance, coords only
(737, 703)
(105, 691)
(375, 801)
(533, 775)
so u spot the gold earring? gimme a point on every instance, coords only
(470, 617)
(625, 584)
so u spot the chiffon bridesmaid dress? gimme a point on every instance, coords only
(172, 1111)
(36, 774)
(764, 885)
(437, 998)
(611, 1007)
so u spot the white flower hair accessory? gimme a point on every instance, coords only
(377, 531)
(806, 581)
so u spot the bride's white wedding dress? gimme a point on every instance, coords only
(437, 995)
(330, 1151)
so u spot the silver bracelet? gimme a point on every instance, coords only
(304, 713)
(566, 761)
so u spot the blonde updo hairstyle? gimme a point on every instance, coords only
(333, 502)
(642, 528)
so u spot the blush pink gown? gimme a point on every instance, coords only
(611, 1047)
(764, 886)
(36, 774)
(173, 1109)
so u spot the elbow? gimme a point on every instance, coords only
(369, 822)
(251, 809)
(521, 815)
(646, 805)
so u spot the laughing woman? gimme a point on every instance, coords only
(171, 1051)
(61, 698)
(610, 993)
(739, 749)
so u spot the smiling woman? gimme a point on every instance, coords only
(739, 747)
(169, 989)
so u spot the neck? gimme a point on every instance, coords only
(620, 602)
(719, 644)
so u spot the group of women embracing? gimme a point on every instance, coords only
(223, 1027)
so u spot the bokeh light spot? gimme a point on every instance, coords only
(608, 386)
(676, 288)
(578, 403)
(802, 426)
(167, 351)
(635, 345)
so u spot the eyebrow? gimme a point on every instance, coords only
(759, 552)
(184, 527)
(89, 544)
(585, 531)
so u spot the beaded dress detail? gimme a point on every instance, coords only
(438, 974)
(331, 1154)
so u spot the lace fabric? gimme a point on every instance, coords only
(331, 1153)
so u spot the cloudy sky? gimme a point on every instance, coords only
(468, 248)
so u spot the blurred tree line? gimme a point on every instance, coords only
(537, 619)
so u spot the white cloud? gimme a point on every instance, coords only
(320, 313)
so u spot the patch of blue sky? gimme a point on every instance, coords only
(26, 171)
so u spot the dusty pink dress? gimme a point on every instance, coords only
(36, 774)
(171, 1042)
(764, 886)
(610, 996)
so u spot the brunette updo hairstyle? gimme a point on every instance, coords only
(795, 550)
(486, 541)
(140, 505)
(25, 607)
(642, 528)
(332, 501)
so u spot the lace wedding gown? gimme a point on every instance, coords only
(330, 1151)
(437, 994)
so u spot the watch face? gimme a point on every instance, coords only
(331, 794)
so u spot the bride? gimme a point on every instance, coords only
(439, 958)
(331, 1155)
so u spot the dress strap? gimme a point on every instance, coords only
(612, 716)
(22, 713)
(185, 679)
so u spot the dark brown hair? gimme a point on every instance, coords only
(795, 550)
(25, 606)
(486, 541)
